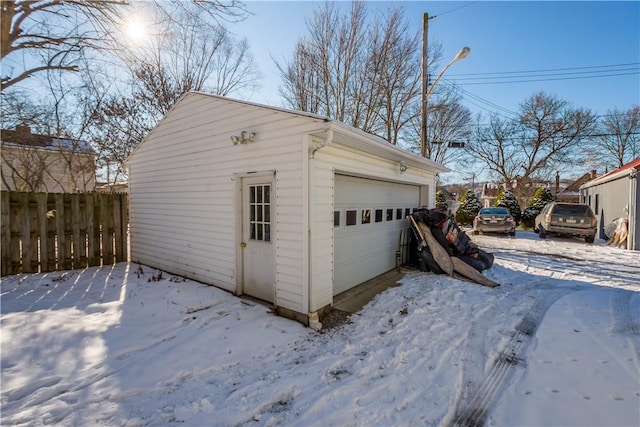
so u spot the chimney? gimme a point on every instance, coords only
(592, 174)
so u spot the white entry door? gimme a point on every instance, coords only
(257, 244)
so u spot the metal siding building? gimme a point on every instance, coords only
(615, 195)
(261, 216)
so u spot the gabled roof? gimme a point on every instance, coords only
(625, 170)
(575, 186)
(350, 136)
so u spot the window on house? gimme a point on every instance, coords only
(407, 212)
(597, 212)
(336, 218)
(398, 214)
(389, 215)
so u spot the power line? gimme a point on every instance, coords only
(472, 97)
(548, 70)
(481, 102)
(457, 8)
(552, 74)
(548, 80)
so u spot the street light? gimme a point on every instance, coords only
(427, 92)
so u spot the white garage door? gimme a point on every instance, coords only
(368, 217)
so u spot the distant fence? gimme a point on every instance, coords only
(53, 231)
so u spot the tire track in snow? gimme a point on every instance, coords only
(473, 412)
(625, 319)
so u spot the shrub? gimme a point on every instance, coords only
(468, 209)
(540, 199)
(441, 200)
(506, 199)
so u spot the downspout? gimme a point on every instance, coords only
(632, 209)
(314, 318)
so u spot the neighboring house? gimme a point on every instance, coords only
(615, 195)
(489, 194)
(41, 163)
(571, 193)
(288, 207)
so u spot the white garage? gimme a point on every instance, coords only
(288, 207)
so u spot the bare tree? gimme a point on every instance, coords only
(46, 151)
(545, 137)
(189, 53)
(398, 82)
(618, 140)
(361, 71)
(449, 126)
(52, 33)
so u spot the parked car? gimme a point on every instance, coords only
(570, 219)
(494, 220)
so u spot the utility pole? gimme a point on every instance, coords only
(426, 90)
(425, 84)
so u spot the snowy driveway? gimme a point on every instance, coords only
(557, 344)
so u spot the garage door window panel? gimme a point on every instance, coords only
(352, 218)
(389, 215)
(366, 216)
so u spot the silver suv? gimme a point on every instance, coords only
(570, 219)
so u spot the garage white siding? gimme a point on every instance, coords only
(369, 216)
(185, 188)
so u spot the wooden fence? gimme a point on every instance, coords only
(53, 231)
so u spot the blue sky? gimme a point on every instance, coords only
(516, 40)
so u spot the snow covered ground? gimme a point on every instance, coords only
(557, 344)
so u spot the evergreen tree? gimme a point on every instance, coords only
(540, 199)
(469, 207)
(506, 199)
(441, 200)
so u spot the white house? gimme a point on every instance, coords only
(288, 207)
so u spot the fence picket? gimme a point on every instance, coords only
(42, 225)
(53, 231)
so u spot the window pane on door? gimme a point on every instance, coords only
(260, 212)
